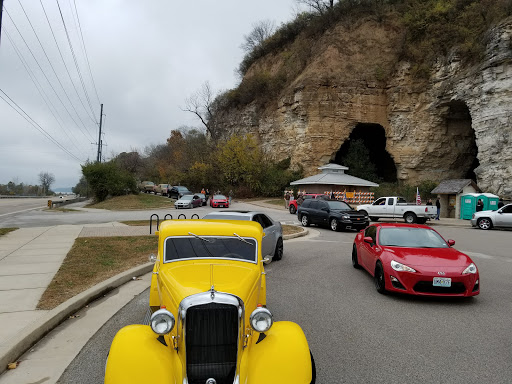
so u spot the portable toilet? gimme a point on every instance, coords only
(468, 205)
(490, 201)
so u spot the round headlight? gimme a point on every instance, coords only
(162, 322)
(261, 319)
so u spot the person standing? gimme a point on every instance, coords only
(287, 200)
(500, 203)
(479, 205)
(300, 200)
(231, 194)
(429, 202)
(207, 194)
(438, 205)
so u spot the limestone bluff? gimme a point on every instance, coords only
(455, 124)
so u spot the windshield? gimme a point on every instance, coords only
(411, 237)
(339, 205)
(186, 197)
(209, 247)
(219, 197)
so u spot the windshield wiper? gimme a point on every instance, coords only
(199, 237)
(242, 239)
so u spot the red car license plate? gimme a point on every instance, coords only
(221, 205)
(442, 282)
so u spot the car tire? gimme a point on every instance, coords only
(373, 218)
(313, 369)
(355, 263)
(304, 220)
(380, 281)
(484, 223)
(293, 209)
(278, 253)
(410, 218)
(334, 225)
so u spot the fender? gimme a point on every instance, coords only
(282, 357)
(136, 356)
(154, 295)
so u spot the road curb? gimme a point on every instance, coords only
(36, 331)
(295, 235)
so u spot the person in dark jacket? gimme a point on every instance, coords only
(429, 202)
(438, 205)
(479, 205)
(500, 203)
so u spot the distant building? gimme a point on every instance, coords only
(450, 191)
(333, 179)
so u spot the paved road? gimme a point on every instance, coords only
(16, 206)
(359, 336)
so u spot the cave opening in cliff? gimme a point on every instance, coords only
(461, 135)
(373, 137)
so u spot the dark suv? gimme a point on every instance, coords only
(178, 191)
(333, 213)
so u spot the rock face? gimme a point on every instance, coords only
(458, 121)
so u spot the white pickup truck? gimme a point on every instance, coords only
(396, 207)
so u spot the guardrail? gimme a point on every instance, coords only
(22, 197)
(52, 203)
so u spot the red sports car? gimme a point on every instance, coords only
(414, 259)
(219, 201)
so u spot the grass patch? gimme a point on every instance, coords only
(92, 260)
(136, 223)
(279, 202)
(61, 210)
(289, 229)
(5, 231)
(134, 202)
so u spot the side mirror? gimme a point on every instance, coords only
(266, 260)
(325, 209)
(368, 239)
(451, 243)
(152, 258)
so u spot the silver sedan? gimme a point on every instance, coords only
(272, 244)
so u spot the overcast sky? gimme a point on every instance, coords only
(146, 58)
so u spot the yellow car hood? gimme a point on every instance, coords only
(190, 278)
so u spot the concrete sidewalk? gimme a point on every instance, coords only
(29, 259)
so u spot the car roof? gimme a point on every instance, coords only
(400, 225)
(210, 228)
(247, 214)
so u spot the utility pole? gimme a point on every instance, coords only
(1, 9)
(98, 157)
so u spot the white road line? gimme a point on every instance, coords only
(25, 210)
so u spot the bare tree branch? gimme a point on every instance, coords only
(260, 32)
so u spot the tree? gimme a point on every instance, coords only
(260, 32)
(321, 6)
(358, 161)
(201, 103)
(46, 179)
(108, 179)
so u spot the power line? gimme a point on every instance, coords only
(29, 119)
(74, 56)
(51, 66)
(65, 65)
(85, 51)
(44, 74)
(40, 89)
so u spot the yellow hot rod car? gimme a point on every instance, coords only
(209, 322)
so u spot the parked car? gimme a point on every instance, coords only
(272, 244)
(178, 191)
(293, 203)
(146, 186)
(219, 201)
(202, 196)
(188, 201)
(209, 321)
(396, 207)
(333, 213)
(502, 218)
(162, 189)
(414, 259)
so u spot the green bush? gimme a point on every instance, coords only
(108, 179)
